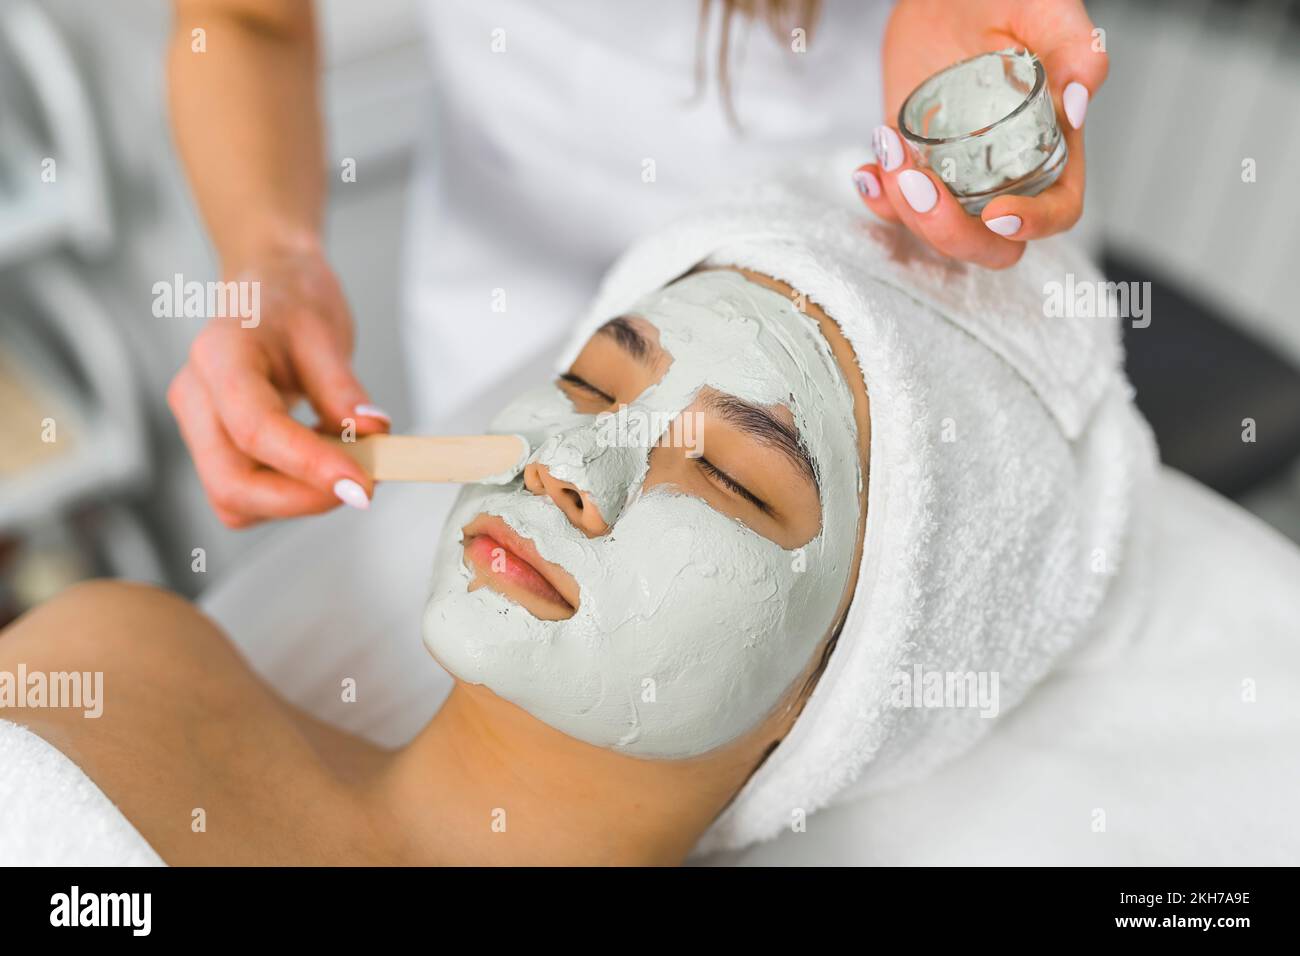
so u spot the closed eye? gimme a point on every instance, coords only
(732, 485)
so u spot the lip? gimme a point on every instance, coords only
(510, 565)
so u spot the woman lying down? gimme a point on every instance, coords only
(806, 512)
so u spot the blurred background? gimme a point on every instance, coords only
(93, 476)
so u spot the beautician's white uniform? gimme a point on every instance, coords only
(550, 156)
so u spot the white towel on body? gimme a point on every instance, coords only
(52, 814)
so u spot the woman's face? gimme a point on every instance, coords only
(680, 540)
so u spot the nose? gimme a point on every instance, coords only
(578, 506)
(589, 471)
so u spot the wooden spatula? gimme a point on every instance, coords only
(454, 458)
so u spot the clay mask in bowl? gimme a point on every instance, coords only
(987, 126)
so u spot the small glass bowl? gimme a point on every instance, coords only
(987, 127)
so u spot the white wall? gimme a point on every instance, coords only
(377, 105)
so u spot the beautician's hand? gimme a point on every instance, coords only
(923, 37)
(232, 397)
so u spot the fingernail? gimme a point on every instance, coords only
(1075, 101)
(373, 411)
(1004, 225)
(917, 190)
(868, 185)
(351, 494)
(888, 148)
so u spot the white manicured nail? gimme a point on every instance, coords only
(917, 190)
(373, 411)
(1075, 100)
(1004, 225)
(868, 185)
(351, 494)
(888, 148)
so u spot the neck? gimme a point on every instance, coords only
(487, 783)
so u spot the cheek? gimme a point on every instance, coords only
(699, 623)
(691, 627)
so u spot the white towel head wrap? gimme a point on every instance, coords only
(1006, 473)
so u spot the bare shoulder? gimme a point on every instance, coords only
(184, 729)
(112, 625)
(153, 665)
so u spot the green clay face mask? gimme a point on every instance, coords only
(690, 626)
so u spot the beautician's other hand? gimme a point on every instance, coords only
(923, 37)
(233, 396)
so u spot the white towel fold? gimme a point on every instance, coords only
(1007, 474)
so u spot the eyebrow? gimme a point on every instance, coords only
(631, 340)
(755, 420)
(764, 427)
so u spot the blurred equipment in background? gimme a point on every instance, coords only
(1193, 146)
(1225, 409)
(72, 438)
